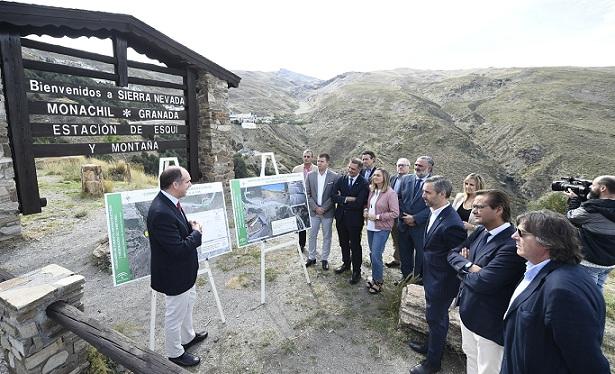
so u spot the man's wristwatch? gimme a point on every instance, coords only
(467, 267)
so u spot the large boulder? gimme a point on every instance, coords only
(412, 316)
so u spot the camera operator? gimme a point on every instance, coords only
(595, 219)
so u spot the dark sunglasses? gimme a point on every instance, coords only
(521, 232)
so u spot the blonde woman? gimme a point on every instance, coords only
(464, 200)
(382, 209)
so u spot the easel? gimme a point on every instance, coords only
(264, 248)
(163, 164)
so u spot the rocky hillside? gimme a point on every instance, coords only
(521, 127)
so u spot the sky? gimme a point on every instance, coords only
(324, 38)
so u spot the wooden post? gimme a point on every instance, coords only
(112, 344)
(192, 122)
(19, 124)
(120, 53)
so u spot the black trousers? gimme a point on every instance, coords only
(350, 241)
(302, 236)
(436, 314)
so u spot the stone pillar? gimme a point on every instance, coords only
(215, 141)
(92, 180)
(10, 224)
(33, 343)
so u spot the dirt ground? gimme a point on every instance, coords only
(328, 326)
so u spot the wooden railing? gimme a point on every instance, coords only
(119, 348)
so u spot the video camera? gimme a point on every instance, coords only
(580, 187)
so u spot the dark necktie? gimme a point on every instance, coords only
(350, 182)
(483, 241)
(486, 237)
(181, 211)
(417, 186)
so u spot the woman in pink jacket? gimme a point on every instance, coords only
(382, 209)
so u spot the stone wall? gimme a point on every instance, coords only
(10, 224)
(215, 140)
(33, 343)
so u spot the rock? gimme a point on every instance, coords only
(102, 254)
(412, 316)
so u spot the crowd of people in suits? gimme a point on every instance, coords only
(526, 305)
(529, 295)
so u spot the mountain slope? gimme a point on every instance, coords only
(520, 127)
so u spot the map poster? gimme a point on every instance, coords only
(127, 227)
(270, 206)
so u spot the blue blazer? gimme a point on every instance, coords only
(411, 202)
(556, 324)
(371, 172)
(484, 295)
(447, 232)
(173, 245)
(350, 213)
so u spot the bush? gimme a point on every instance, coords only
(107, 186)
(240, 167)
(554, 201)
(119, 171)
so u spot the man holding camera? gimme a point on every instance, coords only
(595, 219)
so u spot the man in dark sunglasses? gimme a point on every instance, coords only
(555, 319)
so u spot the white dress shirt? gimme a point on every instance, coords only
(321, 186)
(497, 230)
(531, 271)
(434, 215)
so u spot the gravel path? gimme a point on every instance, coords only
(329, 326)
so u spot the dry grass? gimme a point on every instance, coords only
(69, 168)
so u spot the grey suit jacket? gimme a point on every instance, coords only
(311, 188)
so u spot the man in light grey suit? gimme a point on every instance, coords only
(319, 185)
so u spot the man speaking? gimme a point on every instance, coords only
(174, 264)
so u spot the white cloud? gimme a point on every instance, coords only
(325, 38)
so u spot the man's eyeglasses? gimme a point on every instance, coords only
(476, 206)
(399, 165)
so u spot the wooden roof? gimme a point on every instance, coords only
(28, 19)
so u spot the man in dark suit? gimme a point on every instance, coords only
(350, 195)
(403, 168)
(555, 319)
(444, 232)
(413, 215)
(174, 263)
(489, 268)
(369, 164)
(318, 187)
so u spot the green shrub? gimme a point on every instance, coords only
(119, 171)
(99, 363)
(240, 167)
(555, 201)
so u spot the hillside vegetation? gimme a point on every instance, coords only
(520, 127)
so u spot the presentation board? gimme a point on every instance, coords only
(269, 206)
(127, 227)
